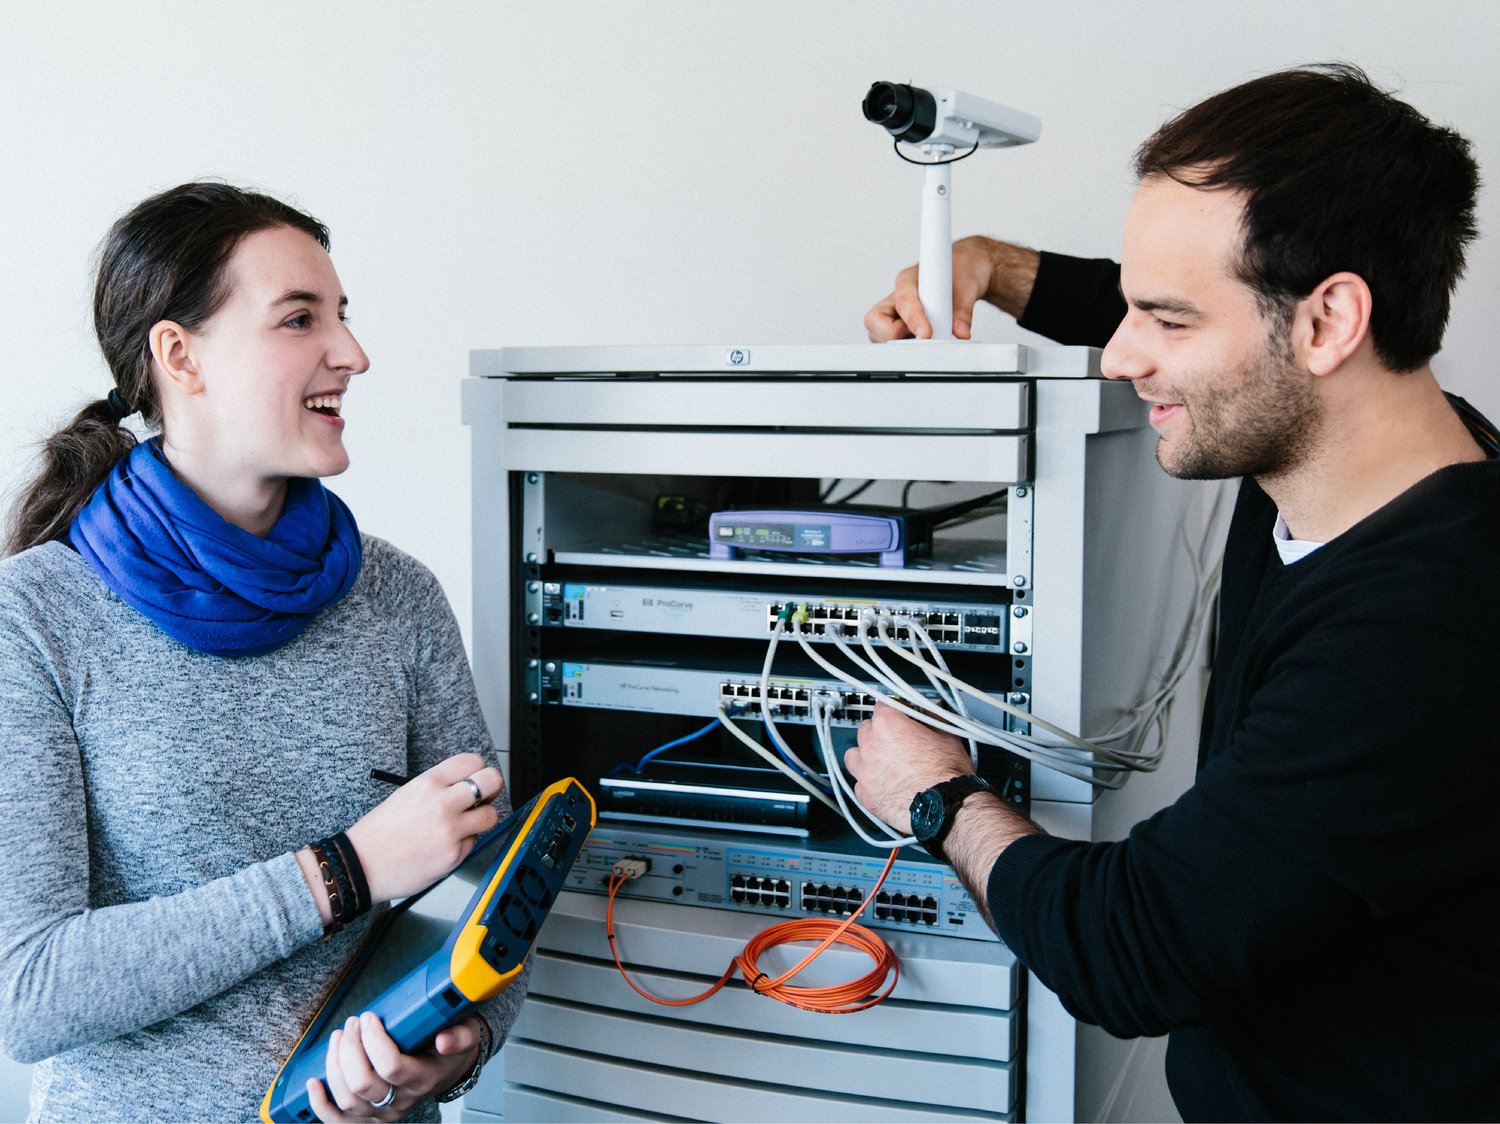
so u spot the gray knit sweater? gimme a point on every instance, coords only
(159, 946)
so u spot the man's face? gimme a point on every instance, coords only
(1227, 397)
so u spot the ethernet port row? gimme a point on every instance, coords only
(841, 619)
(853, 707)
(906, 907)
(856, 707)
(757, 889)
(821, 619)
(822, 898)
(744, 695)
(941, 626)
(795, 700)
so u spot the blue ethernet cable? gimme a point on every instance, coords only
(659, 750)
(694, 736)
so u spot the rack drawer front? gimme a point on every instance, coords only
(931, 405)
(964, 1032)
(994, 458)
(618, 1079)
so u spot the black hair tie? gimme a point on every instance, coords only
(118, 406)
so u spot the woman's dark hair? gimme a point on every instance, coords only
(167, 259)
(1337, 175)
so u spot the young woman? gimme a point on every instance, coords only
(201, 659)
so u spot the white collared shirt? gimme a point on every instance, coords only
(1290, 549)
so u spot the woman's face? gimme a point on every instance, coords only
(274, 362)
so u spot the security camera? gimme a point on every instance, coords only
(944, 116)
(941, 122)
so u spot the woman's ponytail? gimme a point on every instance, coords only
(75, 461)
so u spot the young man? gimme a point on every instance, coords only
(1315, 921)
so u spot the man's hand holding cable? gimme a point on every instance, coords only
(897, 757)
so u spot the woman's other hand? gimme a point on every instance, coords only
(424, 829)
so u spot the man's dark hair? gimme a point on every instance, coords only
(1338, 175)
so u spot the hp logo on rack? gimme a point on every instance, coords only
(738, 357)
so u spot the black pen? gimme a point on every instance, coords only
(388, 778)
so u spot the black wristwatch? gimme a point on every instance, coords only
(933, 809)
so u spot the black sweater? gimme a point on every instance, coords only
(1316, 922)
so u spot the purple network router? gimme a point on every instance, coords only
(807, 532)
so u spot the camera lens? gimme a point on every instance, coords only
(883, 104)
(907, 112)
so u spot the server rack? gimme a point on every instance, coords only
(572, 450)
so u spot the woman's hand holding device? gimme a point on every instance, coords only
(417, 835)
(366, 1068)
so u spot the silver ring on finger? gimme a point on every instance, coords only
(475, 789)
(385, 1101)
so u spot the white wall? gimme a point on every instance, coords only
(641, 172)
(507, 173)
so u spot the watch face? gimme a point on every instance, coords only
(926, 814)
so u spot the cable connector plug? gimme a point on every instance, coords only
(826, 703)
(630, 868)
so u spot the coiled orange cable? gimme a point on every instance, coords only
(836, 999)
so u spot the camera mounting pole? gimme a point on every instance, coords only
(942, 122)
(935, 256)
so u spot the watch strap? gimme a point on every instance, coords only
(954, 792)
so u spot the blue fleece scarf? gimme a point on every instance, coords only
(203, 581)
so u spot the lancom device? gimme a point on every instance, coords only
(429, 960)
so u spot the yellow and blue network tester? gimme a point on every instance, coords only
(429, 960)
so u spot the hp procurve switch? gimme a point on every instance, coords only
(655, 689)
(750, 615)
